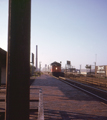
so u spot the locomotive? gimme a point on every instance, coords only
(56, 69)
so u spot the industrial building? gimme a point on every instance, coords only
(2, 66)
(101, 70)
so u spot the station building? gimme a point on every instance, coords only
(101, 70)
(2, 66)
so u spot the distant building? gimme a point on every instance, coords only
(87, 71)
(72, 70)
(101, 70)
(2, 66)
(83, 71)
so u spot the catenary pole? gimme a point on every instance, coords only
(18, 63)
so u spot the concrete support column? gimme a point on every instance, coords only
(18, 65)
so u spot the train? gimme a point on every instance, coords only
(56, 69)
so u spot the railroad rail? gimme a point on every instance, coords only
(98, 93)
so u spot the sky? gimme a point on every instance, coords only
(73, 30)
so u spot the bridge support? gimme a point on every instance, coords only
(18, 65)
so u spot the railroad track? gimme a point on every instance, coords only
(98, 93)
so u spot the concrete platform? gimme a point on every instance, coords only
(33, 102)
(60, 102)
(63, 102)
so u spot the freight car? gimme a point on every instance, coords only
(56, 69)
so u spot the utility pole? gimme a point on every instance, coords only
(95, 59)
(80, 68)
(18, 63)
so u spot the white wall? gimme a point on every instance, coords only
(84, 73)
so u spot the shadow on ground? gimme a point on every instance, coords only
(70, 92)
(63, 115)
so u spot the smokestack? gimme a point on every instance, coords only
(36, 56)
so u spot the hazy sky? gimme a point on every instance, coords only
(74, 30)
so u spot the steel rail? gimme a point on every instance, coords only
(101, 98)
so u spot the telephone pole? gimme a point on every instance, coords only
(18, 63)
(80, 68)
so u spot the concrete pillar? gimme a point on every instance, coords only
(18, 65)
